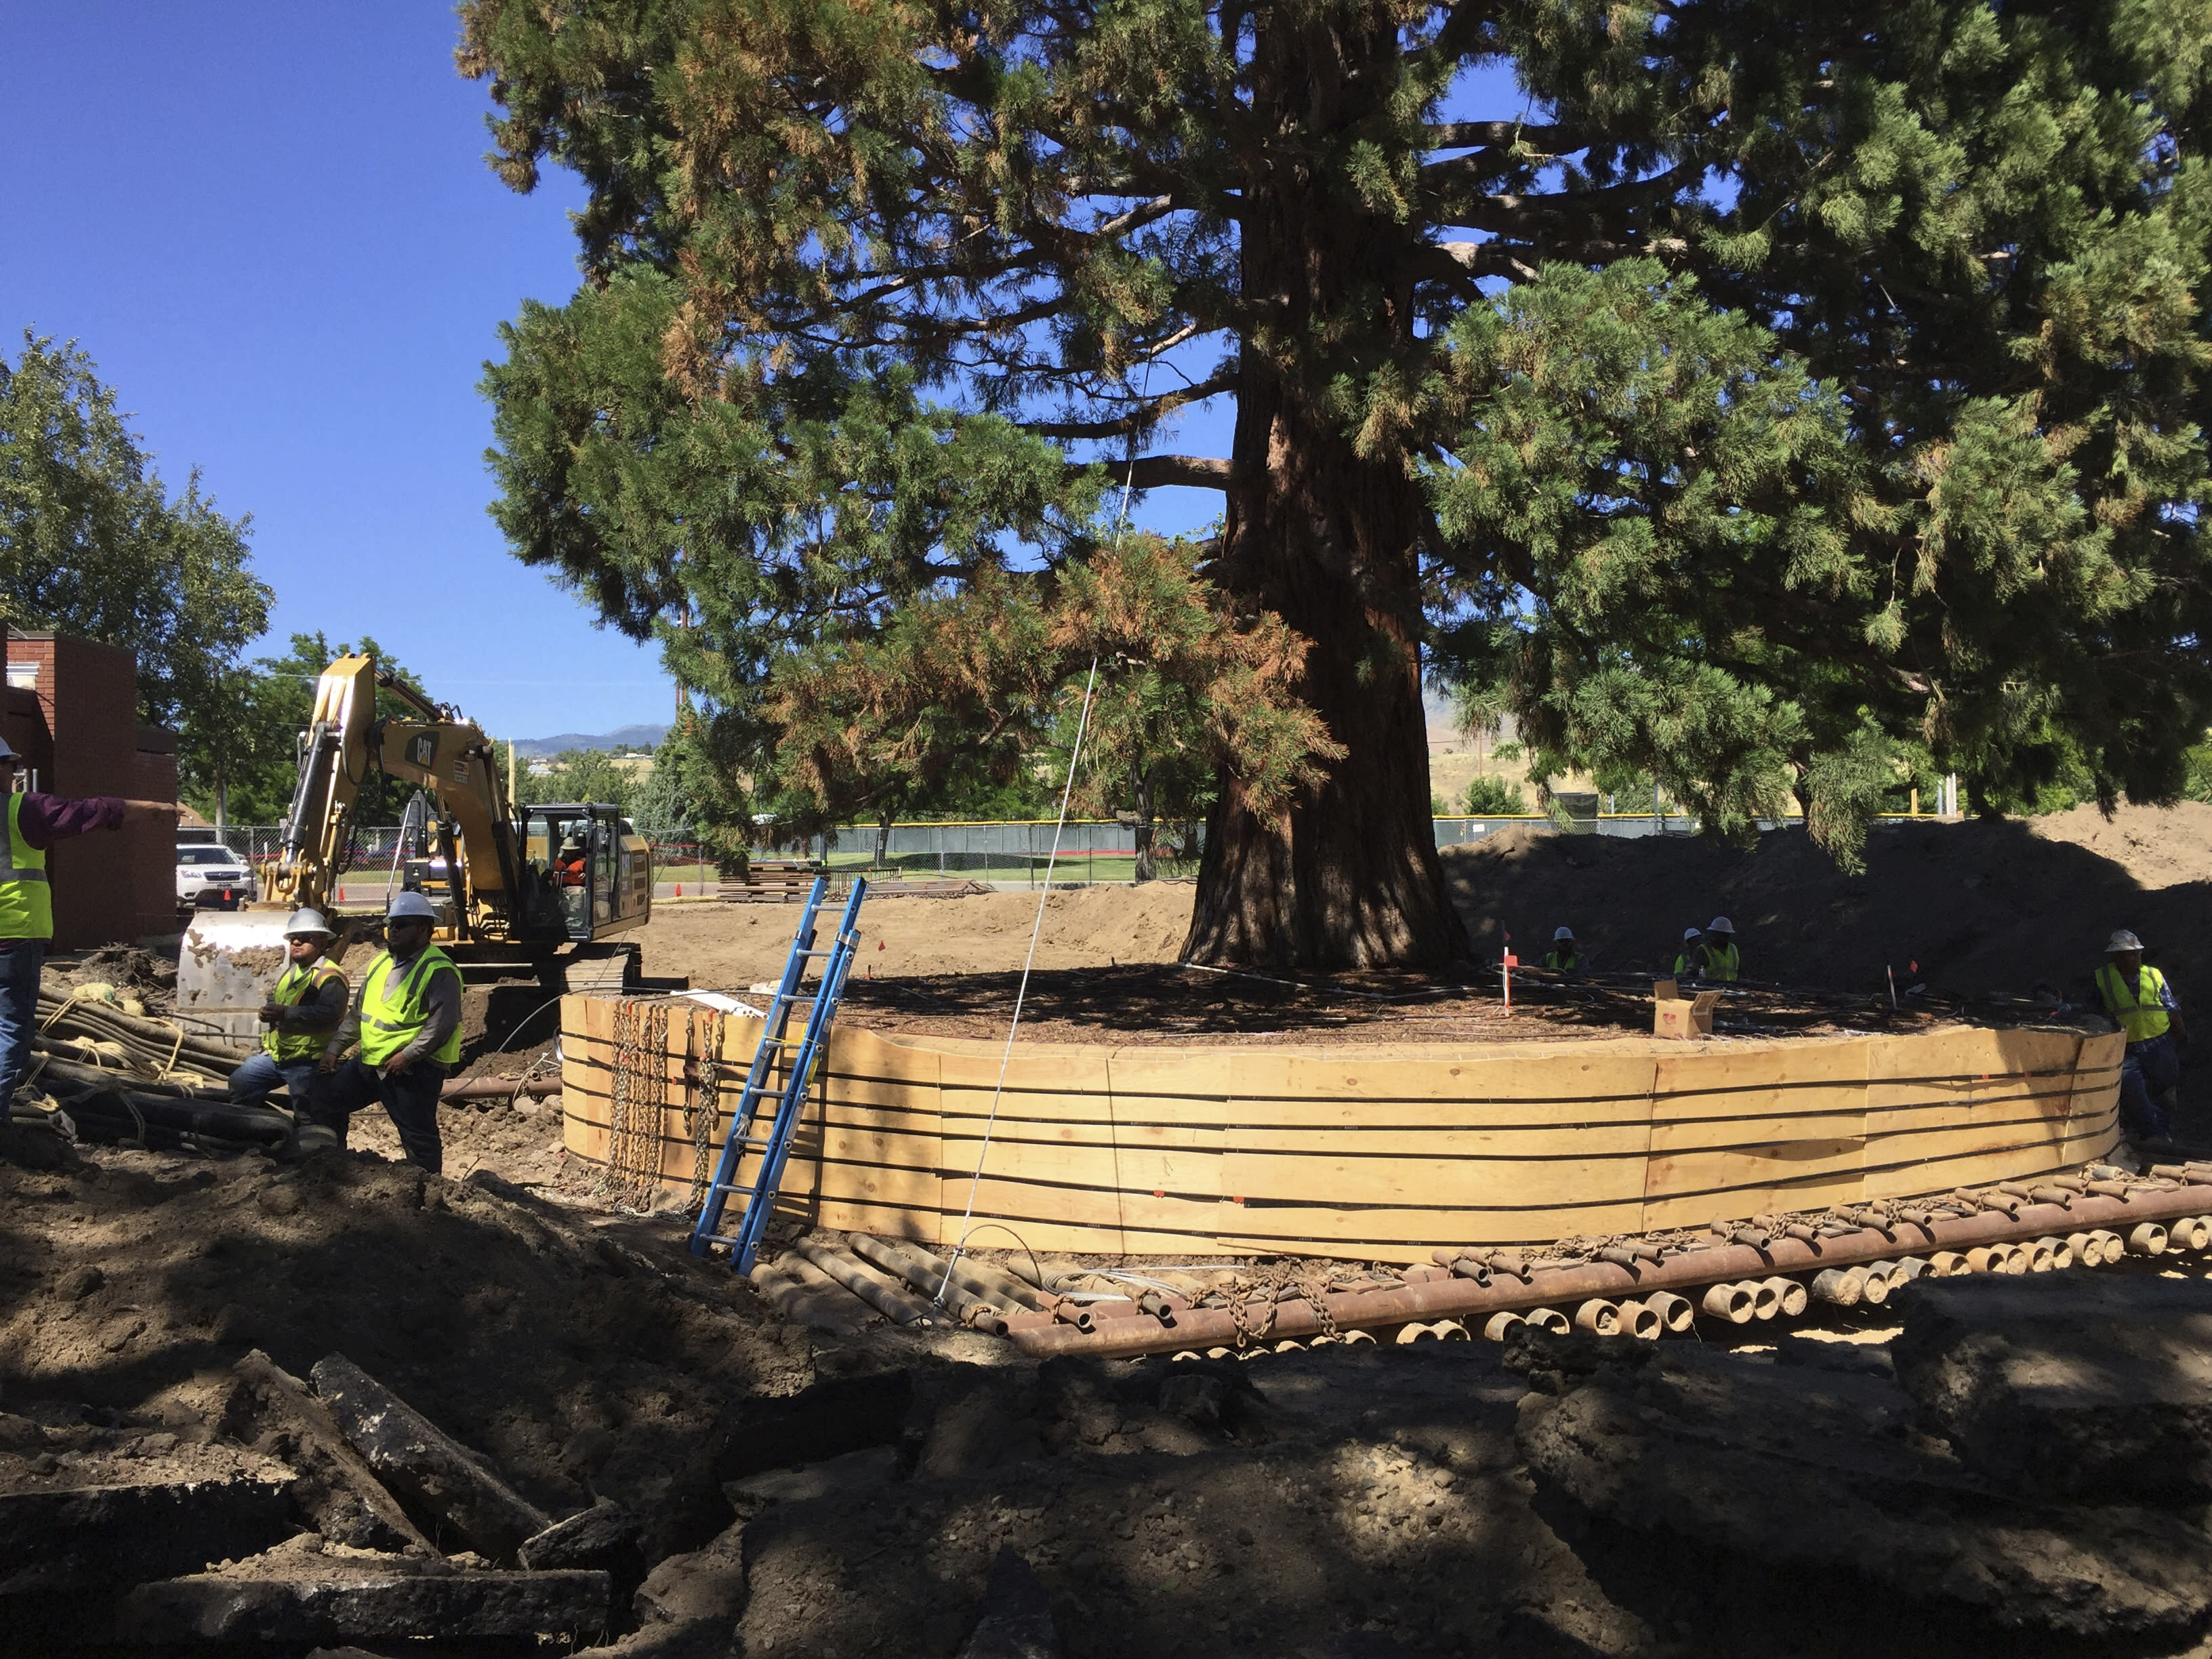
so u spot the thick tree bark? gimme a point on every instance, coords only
(1348, 876)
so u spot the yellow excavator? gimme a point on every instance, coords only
(537, 891)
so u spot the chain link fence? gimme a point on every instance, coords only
(1014, 853)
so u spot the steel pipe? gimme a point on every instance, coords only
(1674, 1312)
(494, 1087)
(1462, 1298)
(1789, 1295)
(1736, 1303)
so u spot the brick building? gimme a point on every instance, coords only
(72, 712)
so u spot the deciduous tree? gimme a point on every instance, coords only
(92, 545)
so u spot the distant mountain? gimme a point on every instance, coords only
(623, 737)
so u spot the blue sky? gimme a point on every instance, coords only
(271, 227)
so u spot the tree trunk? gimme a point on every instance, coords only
(1347, 876)
(1140, 779)
(883, 839)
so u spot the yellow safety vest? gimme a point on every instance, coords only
(1564, 961)
(1725, 964)
(26, 902)
(2141, 1015)
(392, 1017)
(287, 1048)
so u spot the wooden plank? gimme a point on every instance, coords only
(1289, 1090)
(1442, 1183)
(1409, 1235)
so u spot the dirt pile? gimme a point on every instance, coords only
(582, 1365)
(734, 946)
(778, 1492)
(1979, 907)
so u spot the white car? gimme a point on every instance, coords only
(210, 877)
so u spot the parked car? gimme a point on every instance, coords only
(211, 877)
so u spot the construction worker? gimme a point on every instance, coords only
(407, 1018)
(35, 823)
(1565, 957)
(2141, 1003)
(1720, 960)
(1685, 959)
(570, 866)
(307, 1004)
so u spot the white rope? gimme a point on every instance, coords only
(1022, 991)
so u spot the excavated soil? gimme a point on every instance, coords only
(809, 1495)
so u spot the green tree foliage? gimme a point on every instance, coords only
(958, 695)
(1489, 797)
(1771, 393)
(583, 775)
(243, 753)
(92, 545)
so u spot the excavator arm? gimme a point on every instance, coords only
(446, 756)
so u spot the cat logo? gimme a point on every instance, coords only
(423, 751)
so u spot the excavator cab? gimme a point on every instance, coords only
(588, 873)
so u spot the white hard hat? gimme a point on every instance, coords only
(308, 922)
(1720, 924)
(2123, 940)
(6, 752)
(1564, 934)
(410, 904)
(1689, 933)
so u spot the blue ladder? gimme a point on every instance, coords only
(774, 1146)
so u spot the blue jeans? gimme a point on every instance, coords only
(410, 1101)
(251, 1083)
(2149, 1072)
(19, 963)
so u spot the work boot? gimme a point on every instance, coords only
(307, 1139)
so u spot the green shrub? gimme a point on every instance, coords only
(1493, 798)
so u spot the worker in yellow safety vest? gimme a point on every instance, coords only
(305, 1004)
(35, 822)
(1687, 958)
(1565, 957)
(1718, 958)
(2142, 1003)
(407, 1018)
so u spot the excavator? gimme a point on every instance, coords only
(534, 892)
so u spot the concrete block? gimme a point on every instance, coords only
(426, 1466)
(337, 1487)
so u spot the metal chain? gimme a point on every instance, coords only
(639, 1102)
(618, 1095)
(1271, 1291)
(706, 1109)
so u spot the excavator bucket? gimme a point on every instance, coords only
(228, 965)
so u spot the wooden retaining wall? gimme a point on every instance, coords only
(1371, 1152)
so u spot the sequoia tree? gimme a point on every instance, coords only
(1774, 385)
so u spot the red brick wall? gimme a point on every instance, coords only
(109, 885)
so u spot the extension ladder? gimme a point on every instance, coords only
(772, 1140)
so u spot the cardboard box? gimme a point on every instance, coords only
(1674, 1017)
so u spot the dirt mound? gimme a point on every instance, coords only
(1980, 907)
(734, 946)
(582, 1364)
